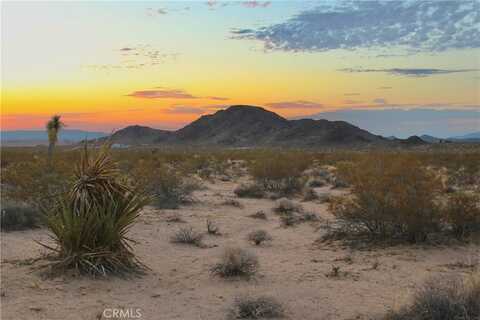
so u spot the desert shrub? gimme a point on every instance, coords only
(259, 236)
(259, 215)
(287, 206)
(309, 194)
(324, 197)
(392, 197)
(317, 183)
(34, 183)
(462, 212)
(291, 218)
(236, 262)
(167, 187)
(20, 217)
(248, 307)
(212, 228)
(232, 203)
(187, 236)
(441, 299)
(253, 190)
(281, 174)
(89, 224)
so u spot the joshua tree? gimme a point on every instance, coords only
(54, 125)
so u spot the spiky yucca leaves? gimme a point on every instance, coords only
(96, 179)
(90, 223)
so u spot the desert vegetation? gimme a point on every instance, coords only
(106, 212)
(236, 262)
(89, 222)
(439, 299)
(263, 307)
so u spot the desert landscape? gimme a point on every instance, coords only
(222, 225)
(240, 159)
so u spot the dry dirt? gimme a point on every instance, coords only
(293, 269)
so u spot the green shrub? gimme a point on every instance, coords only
(90, 223)
(167, 187)
(253, 190)
(20, 217)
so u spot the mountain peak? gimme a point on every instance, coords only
(250, 126)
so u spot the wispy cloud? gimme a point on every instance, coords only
(217, 98)
(160, 93)
(348, 94)
(409, 72)
(379, 101)
(165, 93)
(184, 110)
(300, 104)
(384, 88)
(152, 12)
(251, 4)
(256, 4)
(135, 57)
(352, 102)
(432, 26)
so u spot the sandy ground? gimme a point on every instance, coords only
(293, 269)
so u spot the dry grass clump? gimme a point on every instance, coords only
(441, 299)
(290, 219)
(250, 307)
(259, 215)
(20, 217)
(187, 235)
(236, 262)
(292, 213)
(392, 197)
(462, 212)
(253, 190)
(232, 203)
(89, 224)
(287, 206)
(258, 237)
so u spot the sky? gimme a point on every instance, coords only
(391, 67)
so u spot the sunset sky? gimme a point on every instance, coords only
(106, 65)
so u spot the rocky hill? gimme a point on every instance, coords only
(250, 126)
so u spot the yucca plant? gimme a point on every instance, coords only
(53, 126)
(89, 224)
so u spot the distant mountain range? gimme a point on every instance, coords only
(40, 137)
(251, 126)
(475, 136)
(240, 126)
(471, 137)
